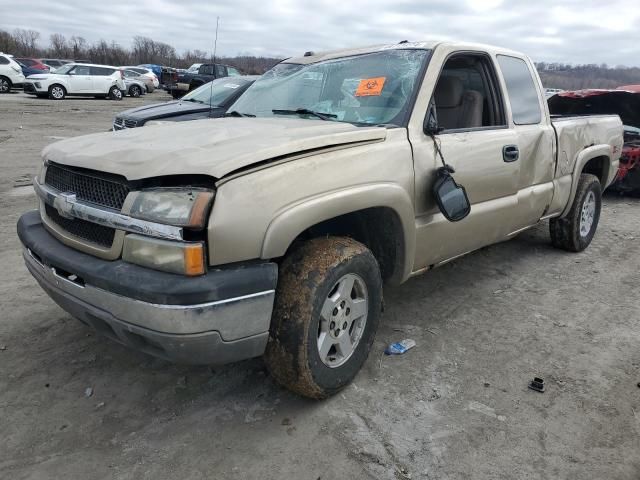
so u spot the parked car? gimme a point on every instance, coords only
(211, 100)
(147, 76)
(136, 84)
(55, 63)
(11, 75)
(165, 75)
(80, 80)
(186, 82)
(26, 71)
(33, 63)
(623, 101)
(272, 231)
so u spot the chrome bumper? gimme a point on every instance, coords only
(209, 333)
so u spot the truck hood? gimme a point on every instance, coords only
(213, 147)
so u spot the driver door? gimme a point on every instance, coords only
(475, 140)
(80, 79)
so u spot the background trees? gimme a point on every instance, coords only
(25, 43)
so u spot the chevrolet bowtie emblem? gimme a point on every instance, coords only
(64, 203)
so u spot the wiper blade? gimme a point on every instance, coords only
(192, 100)
(235, 113)
(305, 111)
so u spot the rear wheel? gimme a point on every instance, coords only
(5, 85)
(328, 306)
(576, 230)
(135, 91)
(115, 93)
(57, 92)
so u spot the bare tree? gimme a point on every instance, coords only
(26, 41)
(59, 46)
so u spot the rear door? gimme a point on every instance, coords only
(101, 78)
(80, 79)
(535, 138)
(468, 105)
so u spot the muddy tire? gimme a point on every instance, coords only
(327, 310)
(575, 231)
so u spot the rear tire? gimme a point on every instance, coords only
(576, 230)
(5, 85)
(57, 92)
(115, 93)
(328, 306)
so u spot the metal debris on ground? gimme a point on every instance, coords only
(537, 384)
(399, 348)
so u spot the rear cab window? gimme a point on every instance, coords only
(521, 89)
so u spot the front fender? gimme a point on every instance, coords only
(291, 221)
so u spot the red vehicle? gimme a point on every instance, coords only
(623, 101)
(33, 63)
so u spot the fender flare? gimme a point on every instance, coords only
(582, 158)
(294, 219)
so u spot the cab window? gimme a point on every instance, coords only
(466, 95)
(80, 70)
(522, 91)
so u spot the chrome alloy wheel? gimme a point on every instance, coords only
(57, 92)
(587, 214)
(342, 320)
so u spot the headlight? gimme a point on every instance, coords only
(182, 207)
(175, 257)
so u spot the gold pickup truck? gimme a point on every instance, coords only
(273, 230)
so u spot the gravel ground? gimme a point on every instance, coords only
(456, 406)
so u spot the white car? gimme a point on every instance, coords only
(146, 73)
(10, 73)
(80, 79)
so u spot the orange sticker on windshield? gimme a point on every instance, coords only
(370, 86)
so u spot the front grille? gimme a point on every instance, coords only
(120, 123)
(91, 232)
(107, 191)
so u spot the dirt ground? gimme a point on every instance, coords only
(455, 407)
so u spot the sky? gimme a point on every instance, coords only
(568, 31)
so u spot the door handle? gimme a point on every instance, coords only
(510, 153)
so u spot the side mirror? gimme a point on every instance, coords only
(451, 198)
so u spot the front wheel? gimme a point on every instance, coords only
(135, 91)
(328, 306)
(57, 92)
(576, 230)
(115, 93)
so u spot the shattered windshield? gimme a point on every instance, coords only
(374, 88)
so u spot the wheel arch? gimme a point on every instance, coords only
(381, 216)
(595, 160)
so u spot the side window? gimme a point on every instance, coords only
(523, 94)
(466, 95)
(81, 70)
(221, 71)
(101, 71)
(232, 72)
(4, 60)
